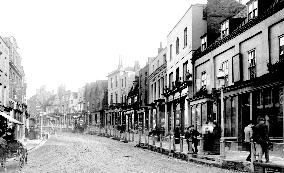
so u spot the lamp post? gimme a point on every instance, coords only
(221, 77)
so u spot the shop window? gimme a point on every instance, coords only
(203, 79)
(230, 117)
(281, 48)
(225, 29)
(252, 64)
(253, 9)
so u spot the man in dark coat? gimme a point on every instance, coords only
(260, 136)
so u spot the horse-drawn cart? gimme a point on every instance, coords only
(12, 150)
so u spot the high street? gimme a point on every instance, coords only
(71, 152)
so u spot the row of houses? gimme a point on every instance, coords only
(13, 105)
(222, 62)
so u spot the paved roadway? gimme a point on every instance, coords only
(70, 152)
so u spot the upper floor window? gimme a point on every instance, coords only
(146, 78)
(121, 82)
(177, 74)
(184, 70)
(281, 48)
(158, 63)
(111, 99)
(203, 43)
(165, 58)
(225, 29)
(177, 46)
(252, 9)
(116, 81)
(252, 64)
(225, 69)
(203, 79)
(111, 82)
(171, 80)
(185, 37)
(116, 98)
(153, 67)
(171, 49)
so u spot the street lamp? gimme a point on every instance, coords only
(221, 77)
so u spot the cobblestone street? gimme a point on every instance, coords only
(88, 153)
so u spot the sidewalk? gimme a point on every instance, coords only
(235, 160)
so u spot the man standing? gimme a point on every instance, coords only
(260, 136)
(194, 134)
(248, 135)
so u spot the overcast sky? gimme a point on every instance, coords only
(72, 42)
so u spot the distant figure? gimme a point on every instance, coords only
(187, 137)
(194, 134)
(248, 135)
(260, 136)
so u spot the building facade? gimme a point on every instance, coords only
(244, 66)
(183, 39)
(17, 96)
(157, 82)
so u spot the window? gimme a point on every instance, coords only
(153, 67)
(158, 63)
(252, 9)
(185, 37)
(165, 58)
(203, 43)
(121, 82)
(177, 74)
(155, 91)
(252, 64)
(111, 82)
(281, 48)
(111, 98)
(225, 29)
(185, 70)
(171, 80)
(116, 98)
(171, 47)
(116, 81)
(162, 85)
(146, 78)
(125, 81)
(225, 69)
(177, 46)
(203, 79)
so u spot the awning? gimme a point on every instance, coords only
(11, 119)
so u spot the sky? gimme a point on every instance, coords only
(73, 42)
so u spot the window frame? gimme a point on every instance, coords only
(281, 38)
(253, 9)
(177, 46)
(203, 79)
(171, 52)
(225, 29)
(203, 43)
(185, 37)
(252, 64)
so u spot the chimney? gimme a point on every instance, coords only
(161, 48)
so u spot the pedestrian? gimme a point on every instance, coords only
(248, 135)
(260, 136)
(194, 135)
(187, 137)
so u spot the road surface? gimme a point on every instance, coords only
(70, 152)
